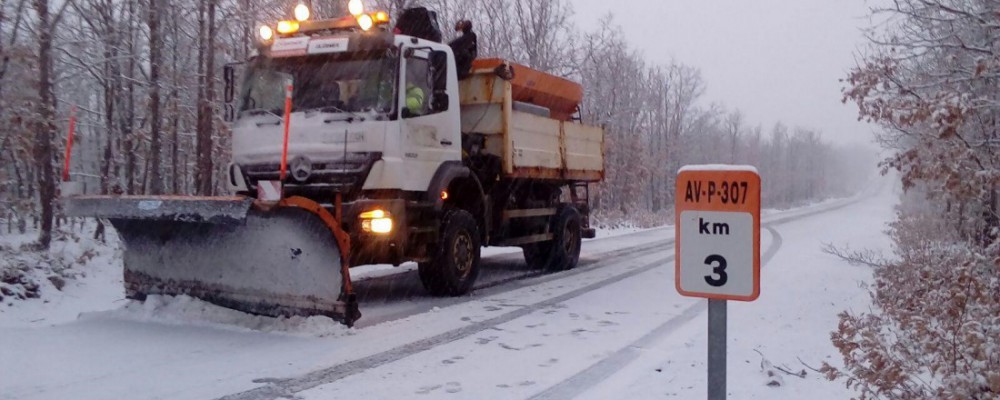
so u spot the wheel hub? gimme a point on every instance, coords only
(463, 254)
(569, 239)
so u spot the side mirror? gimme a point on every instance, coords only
(439, 102)
(439, 70)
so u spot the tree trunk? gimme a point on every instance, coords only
(206, 95)
(109, 118)
(129, 119)
(45, 127)
(155, 51)
(176, 172)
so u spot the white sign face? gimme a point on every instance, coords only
(288, 47)
(716, 253)
(328, 45)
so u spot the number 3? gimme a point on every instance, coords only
(719, 270)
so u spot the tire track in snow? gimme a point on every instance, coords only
(287, 388)
(597, 373)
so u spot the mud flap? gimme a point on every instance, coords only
(281, 262)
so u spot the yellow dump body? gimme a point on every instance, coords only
(532, 140)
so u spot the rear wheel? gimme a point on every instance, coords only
(563, 251)
(454, 263)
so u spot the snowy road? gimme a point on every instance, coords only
(521, 335)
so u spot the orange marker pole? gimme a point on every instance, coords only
(69, 144)
(288, 120)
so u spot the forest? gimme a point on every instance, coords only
(145, 79)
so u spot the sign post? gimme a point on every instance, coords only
(716, 349)
(717, 222)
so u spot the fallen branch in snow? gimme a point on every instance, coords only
(867, 257)
(786, 370)
(773, 378)
(816, 370)
(782, 368)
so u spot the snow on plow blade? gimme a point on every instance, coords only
(281, 262)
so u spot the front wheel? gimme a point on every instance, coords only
(563, 251)
(454, 263)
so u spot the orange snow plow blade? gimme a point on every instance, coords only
(281, 260)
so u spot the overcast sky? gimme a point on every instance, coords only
(776, 60)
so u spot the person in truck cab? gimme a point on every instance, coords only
(465, 47)
(414, 99)
(416, 82)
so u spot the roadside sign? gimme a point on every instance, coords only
(717, 222)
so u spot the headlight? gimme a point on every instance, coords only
(376, 221)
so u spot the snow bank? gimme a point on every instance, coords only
(80, 277)
(188, 311)
(31, 275)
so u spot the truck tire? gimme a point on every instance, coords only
(563, 251)
(454, 263)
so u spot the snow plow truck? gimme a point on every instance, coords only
(355, 143)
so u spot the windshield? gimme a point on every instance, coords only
(346, 82)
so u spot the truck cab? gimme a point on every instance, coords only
(373, 121)
(350, 127)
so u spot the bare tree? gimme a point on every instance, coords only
(155, 58)
(45, 133)
(206, 95)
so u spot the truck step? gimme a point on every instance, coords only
(528, 213)
(423, 230)
(518, 241)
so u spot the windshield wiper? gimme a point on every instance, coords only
(327, 110)
(263, 111)
(352, 115)
(260, 111)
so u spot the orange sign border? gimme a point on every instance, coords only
(752, 206)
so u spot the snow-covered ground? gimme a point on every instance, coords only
(613, 328)
(88, 273)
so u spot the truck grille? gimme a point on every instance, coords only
(346, 176)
